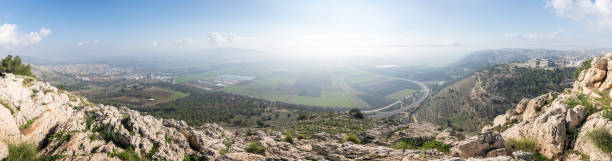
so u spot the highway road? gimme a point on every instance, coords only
(378, 112)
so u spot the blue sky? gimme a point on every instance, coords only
(302, 28)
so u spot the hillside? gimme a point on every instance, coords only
(475, 100)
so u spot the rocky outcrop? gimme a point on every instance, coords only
(585, 145)
(478, 145)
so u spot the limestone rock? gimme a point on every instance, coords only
(450, 137)
(585, 145)
(599, 63)
(592, 76)
(520, 107)
(478, 145)
(523, 156)
(4, 152)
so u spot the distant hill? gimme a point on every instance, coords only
(471, 102)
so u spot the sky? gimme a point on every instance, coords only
(301, 28)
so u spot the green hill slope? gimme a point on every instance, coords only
(472, 102)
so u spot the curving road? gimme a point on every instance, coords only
(377, 112)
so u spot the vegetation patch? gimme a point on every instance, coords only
(153, 150)
(584, 101)
(61, 138)
(193, 158)
(27, 124)
(288, 137)
(126, 155)
(27, 81)
(8, 106)
(350, 137)
(256, 148)
(21, 152)
(410, 143)
(601, 138)
(524, 144)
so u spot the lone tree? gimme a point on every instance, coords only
(356, 113)
(14, 65)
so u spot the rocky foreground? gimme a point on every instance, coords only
(67, 127)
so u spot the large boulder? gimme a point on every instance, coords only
(592, 77)
(599, 63)
(478, 145)
(585, 145)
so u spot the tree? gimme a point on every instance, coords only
(14, 65)
(356, 113)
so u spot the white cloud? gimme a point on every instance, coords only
(219, 38)
(596, 13)
(155, 43)
(555, 35)
(10, 37)
(185, 41)
(87, 43)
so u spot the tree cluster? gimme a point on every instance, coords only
(14, 65)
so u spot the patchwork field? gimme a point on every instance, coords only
(135, 97)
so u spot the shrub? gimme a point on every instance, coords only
(288, 137)
(126, 155)
(26, 82)
(27, 124)
(352, 138)
(601, 138)
(21, 152)
(402, 144)
(356, 113)
(255, 148)
(301, 136)
(607, 114)
(524, 144)
(14, 65)
(153, 150)
(540, 157)
(301, 117)
(167, 138)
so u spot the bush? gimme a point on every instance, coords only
(26, 82)
(14, 65)
(356, 113)
(352, 138)
(193, 158)
(22, 152)
(24, 126)
(256, 148)
(402, 144)
(288, 137)
(607, 114)
(524, 144)
(126, 155)
(601, 138)
(301, 136)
